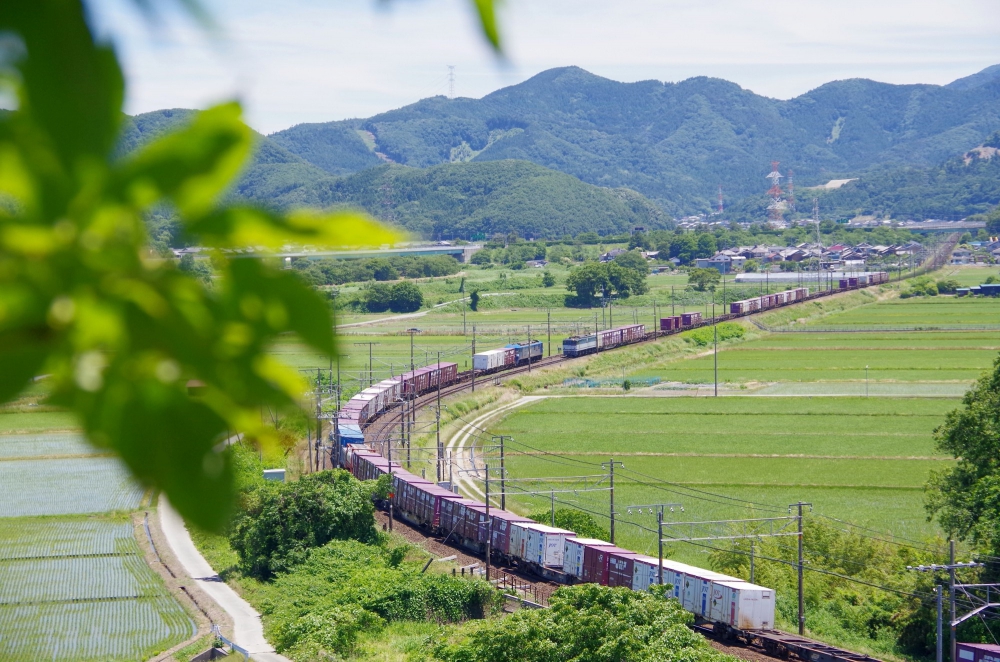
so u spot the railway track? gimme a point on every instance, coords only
(752, 645)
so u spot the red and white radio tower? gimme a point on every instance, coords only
(720, 200)
(775, 210)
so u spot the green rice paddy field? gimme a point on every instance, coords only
(73, 582)
(864, 460)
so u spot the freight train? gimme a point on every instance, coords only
(516, 354)
(602, 340)
(730, 604)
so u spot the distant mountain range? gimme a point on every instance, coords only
(673, 143)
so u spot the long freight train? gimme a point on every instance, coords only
(729, 603)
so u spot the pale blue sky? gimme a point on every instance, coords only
(299, 61)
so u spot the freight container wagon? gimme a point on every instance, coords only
(852, 282)
(597, 562)
(842, 283)
(739, 307)
(404, 488)
(541, 544)
(647, 573)
(623, 335)
(670, 323)
(428, 504)
(502, 539)
(527, 352)
(573, 554)
(476, 526)
(621, 568)
(696, 588)
(687, 319)
(453, 516)
(493, 359)
(580, 345)
(741, 605)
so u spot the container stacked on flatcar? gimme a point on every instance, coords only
(494, 359)
(670, 323)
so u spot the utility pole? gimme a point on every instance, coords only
(611, 466)
(552, 508)
(370, 345)
(440, 448)
(659, 544)
(548, 326)
(489, 547)
(503, 476)
(529, 349)
(473, 358)
(802, 608)
(672, 311)
(951, 597)
(951, 567)
(659, 508)
(938, 594)
(715, 354)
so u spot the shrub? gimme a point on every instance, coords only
(280, 522)
(583, 524)
(346, 587)
(586, 622)
(706, 336)
(405, 297)
(947, 286)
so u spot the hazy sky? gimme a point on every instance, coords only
(294, 61)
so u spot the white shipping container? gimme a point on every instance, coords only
(519, 539)
(573, 554)
(488, 360)
(644, 573)
(742, 605)
(545, 545)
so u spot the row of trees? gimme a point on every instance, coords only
(338, 272)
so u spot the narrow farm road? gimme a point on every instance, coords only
(463, 440)
(248, 631)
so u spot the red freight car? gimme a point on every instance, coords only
(687, 319)
(620, 568)
(429, 500)
(596, 560)
(670, 323)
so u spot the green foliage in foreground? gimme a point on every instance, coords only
(280, 522)
(583, 524)
(586, 623)
(966, 498)
(81, 300)
(348, 588)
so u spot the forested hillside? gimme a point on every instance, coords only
(678, 142)
(568, 152)
(484, 198)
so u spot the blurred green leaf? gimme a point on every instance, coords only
(123, 333)
(242, 226)
(486, 10)
(73, 87)
(191, 166)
